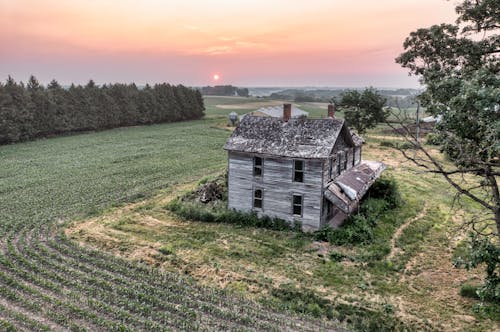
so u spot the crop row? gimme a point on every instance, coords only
(69, 284)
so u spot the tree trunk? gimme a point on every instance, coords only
(496, 198)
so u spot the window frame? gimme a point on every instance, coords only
(339, 162)
(346, 159)
(258, 167)
(301, 204)
(330, 168)
(261, 199)
(296, 171)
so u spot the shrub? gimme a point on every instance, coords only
(406, 146)
(166, 250)
(386, 188)
(434, 139)
(337, 256)
(481, 251)
(196, 212)
(358, 228)
(469, 291)
(387, 143)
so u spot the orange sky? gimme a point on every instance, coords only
(272, 42)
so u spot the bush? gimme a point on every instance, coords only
(337, 256)
(482, 251)
(469, 291)
(386, 188)
(166, 250)
(358, 228)
(192, 211)
(434, 139)
(407, 146)
(387, 143)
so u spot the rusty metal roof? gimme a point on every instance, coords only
(350, 186)
(296, 138)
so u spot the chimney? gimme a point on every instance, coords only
(331, 110)
(287, 112)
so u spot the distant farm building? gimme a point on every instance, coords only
(277, 112)
(301, 170)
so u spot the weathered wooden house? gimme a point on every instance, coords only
(301, 170)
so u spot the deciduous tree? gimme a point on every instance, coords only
(363, 110)
(459, 66)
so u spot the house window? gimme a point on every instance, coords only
(353, 156)
(330, 171)
(298, 171)
(257, 198)
(339, 162)
(346, 158)
(297, 205)
(257, 166)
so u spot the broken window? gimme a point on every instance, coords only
(297, 205)
(298, 171)
(257, 198)
(257, 166)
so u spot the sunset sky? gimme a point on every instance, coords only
(349, 43)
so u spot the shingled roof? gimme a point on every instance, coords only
(296, 138)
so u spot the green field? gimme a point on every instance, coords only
(221, 106)
(50, 282)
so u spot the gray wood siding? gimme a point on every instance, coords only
(357, 154)
(278, 187)
(240, 182)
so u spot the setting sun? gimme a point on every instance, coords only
(216, 77)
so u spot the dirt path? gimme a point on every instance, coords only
(394, 250)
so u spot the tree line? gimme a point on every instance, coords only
(31, 110)
(224, 90)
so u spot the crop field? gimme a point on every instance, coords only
(48, 282)
(403, 280)
(86, 244)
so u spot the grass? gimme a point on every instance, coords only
(62, 286)
(116, 183)
(220, 107)
(61, 177)
(404, 278)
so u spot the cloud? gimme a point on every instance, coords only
(231, 45)
(217, 50)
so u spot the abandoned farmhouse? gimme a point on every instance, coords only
(298, 169)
